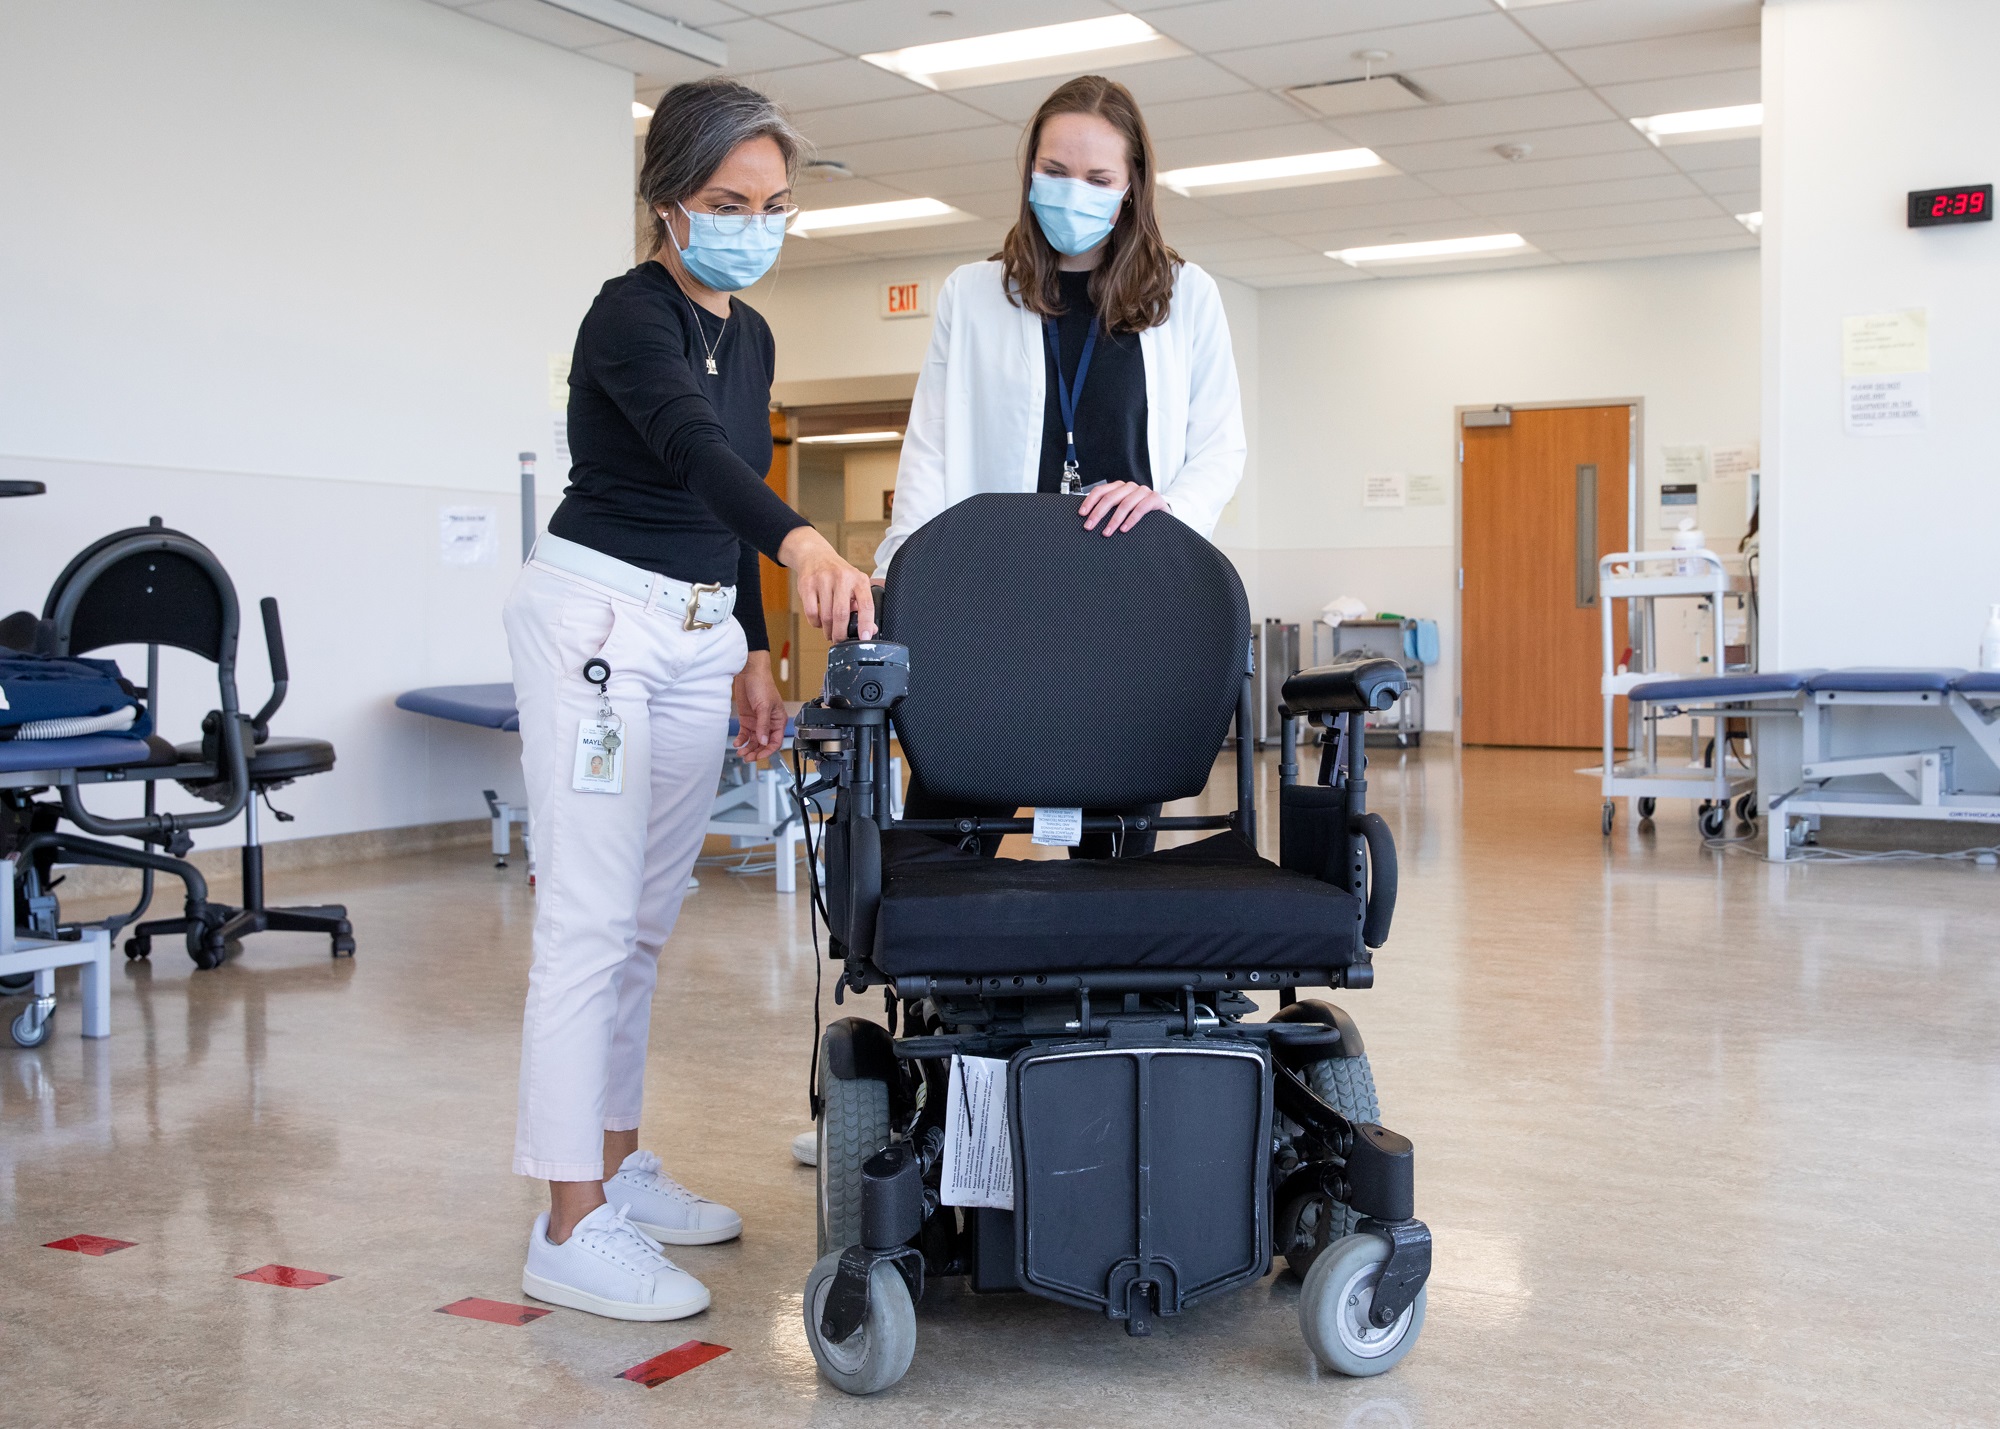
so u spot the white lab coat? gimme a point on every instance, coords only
(976, 421)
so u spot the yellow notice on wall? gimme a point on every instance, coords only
(1883, 344)
(559, 381)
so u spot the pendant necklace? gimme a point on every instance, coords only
(702, 333)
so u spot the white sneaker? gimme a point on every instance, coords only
(609, 1267)
(665, 1209)
(805, 1147)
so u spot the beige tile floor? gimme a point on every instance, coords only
(1702, 1141)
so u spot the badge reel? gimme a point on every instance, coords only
(600, 741)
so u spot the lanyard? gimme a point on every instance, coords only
(1067, 396)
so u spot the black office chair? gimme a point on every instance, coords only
(153, 586)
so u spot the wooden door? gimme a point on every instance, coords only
(1533, 631)
(776, 580)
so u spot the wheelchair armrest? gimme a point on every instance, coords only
(1353, 684)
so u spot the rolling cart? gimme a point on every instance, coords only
(1651, 576)
(1394, 638)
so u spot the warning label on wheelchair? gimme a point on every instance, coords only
(978, 1148)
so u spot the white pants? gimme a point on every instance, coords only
(611, 869)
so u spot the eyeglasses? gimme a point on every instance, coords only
(732, 220)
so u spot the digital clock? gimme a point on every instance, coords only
(1967, 203)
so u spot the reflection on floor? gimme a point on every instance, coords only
(1703, 1141)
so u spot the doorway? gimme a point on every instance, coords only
(1543, 493)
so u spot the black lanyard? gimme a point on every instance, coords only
(1067, 396)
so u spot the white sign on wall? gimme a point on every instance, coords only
(1885, 363)
(906, 300)
(468, 535)
(1385, 489)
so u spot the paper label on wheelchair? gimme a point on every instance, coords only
(1060, 827)
(600, 757)
(978, 1149)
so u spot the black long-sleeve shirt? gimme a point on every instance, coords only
(1111, 408)
(664, 457)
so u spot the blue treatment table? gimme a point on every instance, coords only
(752, 806)
(42, 764)
(1873, 742)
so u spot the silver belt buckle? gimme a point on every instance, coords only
(695, 593)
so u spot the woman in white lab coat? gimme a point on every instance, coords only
(1086, 309)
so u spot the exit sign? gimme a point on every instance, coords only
(906, 300)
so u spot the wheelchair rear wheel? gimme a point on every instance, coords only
(853, 1126)
(877, 1354)
(1307, 1224)
(1334, 1306)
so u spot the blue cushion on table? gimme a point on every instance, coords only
(1978, 682)
(1716, 688)
(488, 706)
(85, 751)
(1876, 679)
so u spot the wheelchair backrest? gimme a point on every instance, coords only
(1054, 668)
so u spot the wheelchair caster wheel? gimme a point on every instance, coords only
(1610, 813)
(1713, 819)
(1334, 1306)
(879, 1353)
(1746, 809)
(137, 948)
(1646, 807)
(31, 1028)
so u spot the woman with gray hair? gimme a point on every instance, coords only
(633, 628)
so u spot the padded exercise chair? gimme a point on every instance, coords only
(153, 586)
(1163, 1145)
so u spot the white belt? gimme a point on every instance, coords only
(701, 607)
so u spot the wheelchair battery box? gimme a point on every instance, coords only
(1140, 1172)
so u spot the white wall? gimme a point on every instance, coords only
(1880, 550)
(1364, 377)
(289, 275)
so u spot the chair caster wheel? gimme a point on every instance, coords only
(1646, 807)
(31, 1028)
(137, 948)
(1713, 819)
(1610, 813)
(207, 947)
(1746, 809)
(343, 947)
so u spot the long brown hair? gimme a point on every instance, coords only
(1134, 285)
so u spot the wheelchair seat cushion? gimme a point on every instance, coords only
(1211, 905)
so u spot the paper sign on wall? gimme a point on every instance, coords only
(1385, 489)
(1885, 363)
(468, 535)
(1686, 473)
(1730, 465)
(559, 381)
(1426, 490)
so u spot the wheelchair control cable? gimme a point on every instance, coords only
(815, 911)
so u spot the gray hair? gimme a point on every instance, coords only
(695, 127)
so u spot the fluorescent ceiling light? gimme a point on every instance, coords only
(641, 111)
(655, 29)
(876, 217)
(1288, 172)
(1029, 54)
(1752, 221)
(1691, 126)
(845, 438)
(1437, 250)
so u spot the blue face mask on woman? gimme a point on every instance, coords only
(728, 251)
(1075, 216)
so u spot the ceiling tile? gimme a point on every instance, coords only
(953, 180)
(1495, 79)
(653, 66)
(976, 239)
(863, 26)
(1315, 226)
(1218, 114)
(1208, 229)
(1234, 24)
(1441, 42)
(1458, 267)
(1701, 53)
(1561, 196)
(846, 193)
(1541, 173)
(1606, 215)
(1325, 198)
(1718, 226)
(1617, 253)
(888, 119)
(1155, 82)
(1695, 91)
(1262, 246)
(1597, 22)
(1614, 136)
(1718, 154)
(990, 143)
(760, 45)
(695, 14)
(999, 205)
(831, 83)
(1275, 141)
(542, 22)
(1510, 118)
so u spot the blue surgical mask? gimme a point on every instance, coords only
(1075, 216)
(728, 251)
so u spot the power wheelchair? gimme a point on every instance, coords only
(1163, 1145)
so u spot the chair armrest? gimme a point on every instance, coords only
(1353, 684)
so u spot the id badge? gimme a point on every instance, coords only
(600, 756)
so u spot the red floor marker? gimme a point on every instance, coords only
(497, 1311)
(90, 1244)
(676, 1361)
(288, 1276)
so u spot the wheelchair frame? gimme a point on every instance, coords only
(1315, 1149)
